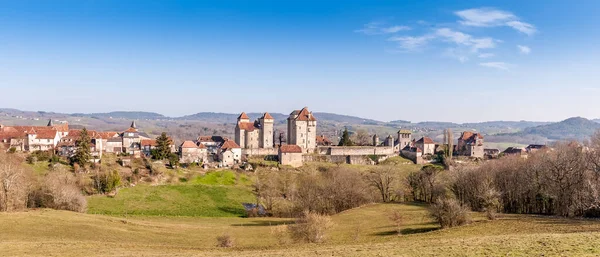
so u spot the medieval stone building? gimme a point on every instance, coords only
(257, 134)
(470, 144)
(302, 130)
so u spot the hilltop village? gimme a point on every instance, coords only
(252, 139)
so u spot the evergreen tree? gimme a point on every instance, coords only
(82, 149)
(163, 147)
(345, 140)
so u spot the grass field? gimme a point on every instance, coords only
(364, 231)
(215, 194)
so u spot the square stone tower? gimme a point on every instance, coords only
(302, 130)
(404, 138)
(266, 133)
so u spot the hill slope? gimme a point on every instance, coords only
(365, 231)
(573, 128)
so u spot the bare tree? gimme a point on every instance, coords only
(15, 183)
(383, 180)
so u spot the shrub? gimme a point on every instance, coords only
(448, 212)
(225, 241)
(12, 150)
(106, 182)
(281, 233)
(60, 192)
(311, 228)
(398, 219)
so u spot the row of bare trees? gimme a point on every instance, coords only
(326, 191)
(564, 180)
(19, 188)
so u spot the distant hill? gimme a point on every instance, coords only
(132, 115)
(220, 117)
(573, 128)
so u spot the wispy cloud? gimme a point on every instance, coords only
(411, 43)
(490, 17)
(466, 39)
(524, 49)
(378, 28)
(486, 55)
(495, 65)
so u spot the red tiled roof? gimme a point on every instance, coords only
(107, 135)
(290, 149)
(148, 142)
(425, 140)
(189, 144)
(131, 130)
(470, 135)
(267, 116)
(62, 127)
(200, 145)
(323, 140)
(305, 115)
(247, 126)
(46, 134)
(243, 116)
(229, 144)
(11, 135)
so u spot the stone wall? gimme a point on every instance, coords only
(413, 156)
(355, 150)
(349, 159)
(259, 151)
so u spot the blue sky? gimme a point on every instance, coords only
(460, 61)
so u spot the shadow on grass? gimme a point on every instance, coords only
(263, 223)
(231, 210)
(406, 231)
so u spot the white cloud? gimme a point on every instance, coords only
(522, 27)
(486, 55)
(466, 39)
(524, 49)
(484, 17)
(378, 28)
(495, 65)
(394, 29)
(490, 17)
(411, 43)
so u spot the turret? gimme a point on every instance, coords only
(375, 140)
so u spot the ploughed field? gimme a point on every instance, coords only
(365, 231)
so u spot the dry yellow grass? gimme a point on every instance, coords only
(365, 231)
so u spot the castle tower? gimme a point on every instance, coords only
(389, 141)
(404, 138)
(240, 132)
(266, 133)
(302, 129)
(375, 140)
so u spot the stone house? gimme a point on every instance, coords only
(42, 139)
(323, 141)
(404, 139)
(426, 144)
(470, 144)
(515, 151)
(535, 148)
(257, 134)
(148, 144)
(490, 153)
(67, 145)
(290, 155)
(230, 153)
(302, 130)
(190, 152)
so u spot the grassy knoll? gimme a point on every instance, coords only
(364, 231)
(215, 194)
